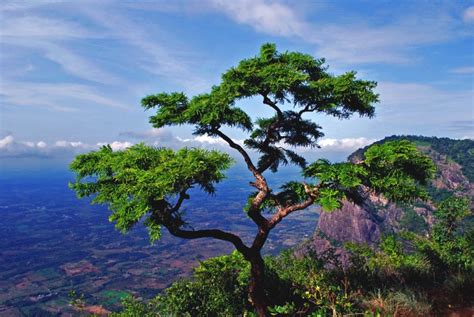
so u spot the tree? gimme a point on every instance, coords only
(450, 243)
(152, 183)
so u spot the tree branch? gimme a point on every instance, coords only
(182, 197)
(271, 130)
(241, 150)
(254, 209)
(283, 212)
(273, 105)
(211, 233)
(262, 234)
(305, 109)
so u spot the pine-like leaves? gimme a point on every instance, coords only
(143, 179)
(281, 79)
(395, 169)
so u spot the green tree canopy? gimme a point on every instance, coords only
(145, 181)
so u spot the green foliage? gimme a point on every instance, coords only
(395, 169)
(144, 180)
(312, 288)
(389, 264)
(413, 222)
(132, 307)
(278, 78)
(393, 257)
(461, 151)
(392, 279)
(450, 244)
(437, 195)
(386, 281)
(288, 309)
(218, 288)
(440, 261)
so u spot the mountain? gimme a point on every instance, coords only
(375, 217)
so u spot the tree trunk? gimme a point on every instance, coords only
(257, 294)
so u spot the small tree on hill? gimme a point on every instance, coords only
(152, 183)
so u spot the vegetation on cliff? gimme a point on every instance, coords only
(460, 151)
(409, 275)
(421, 269)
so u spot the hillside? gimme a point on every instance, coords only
(375, 217)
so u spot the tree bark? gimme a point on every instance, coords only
(257, 295)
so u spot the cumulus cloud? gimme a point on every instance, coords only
(345, 144)
(326, 144)
(468, 15)
(11, 148)
(203, 139)
(6, 141)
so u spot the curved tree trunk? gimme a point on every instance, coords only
(257, 295)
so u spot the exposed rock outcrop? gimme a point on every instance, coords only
(368, 222)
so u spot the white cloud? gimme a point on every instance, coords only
(389, 43)
(31, 27)
(10, 148)
(51, 37)
(463, 70)
(344, 144)
(348, 43)
(208, 140)
(117, 145)
(334, 149)
(54, 96)
(166, 60)
(6, 141)
(265, 16)
(41, 144)
(326, 144)
(468, 15)
(71, 144)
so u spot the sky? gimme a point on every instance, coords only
(73, 72)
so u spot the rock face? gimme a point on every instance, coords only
(366, 223)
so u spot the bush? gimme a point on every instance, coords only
(218, 288)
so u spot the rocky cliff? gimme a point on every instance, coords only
(367, 222)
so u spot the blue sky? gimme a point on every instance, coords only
(73, 72)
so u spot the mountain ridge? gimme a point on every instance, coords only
(375, 217)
